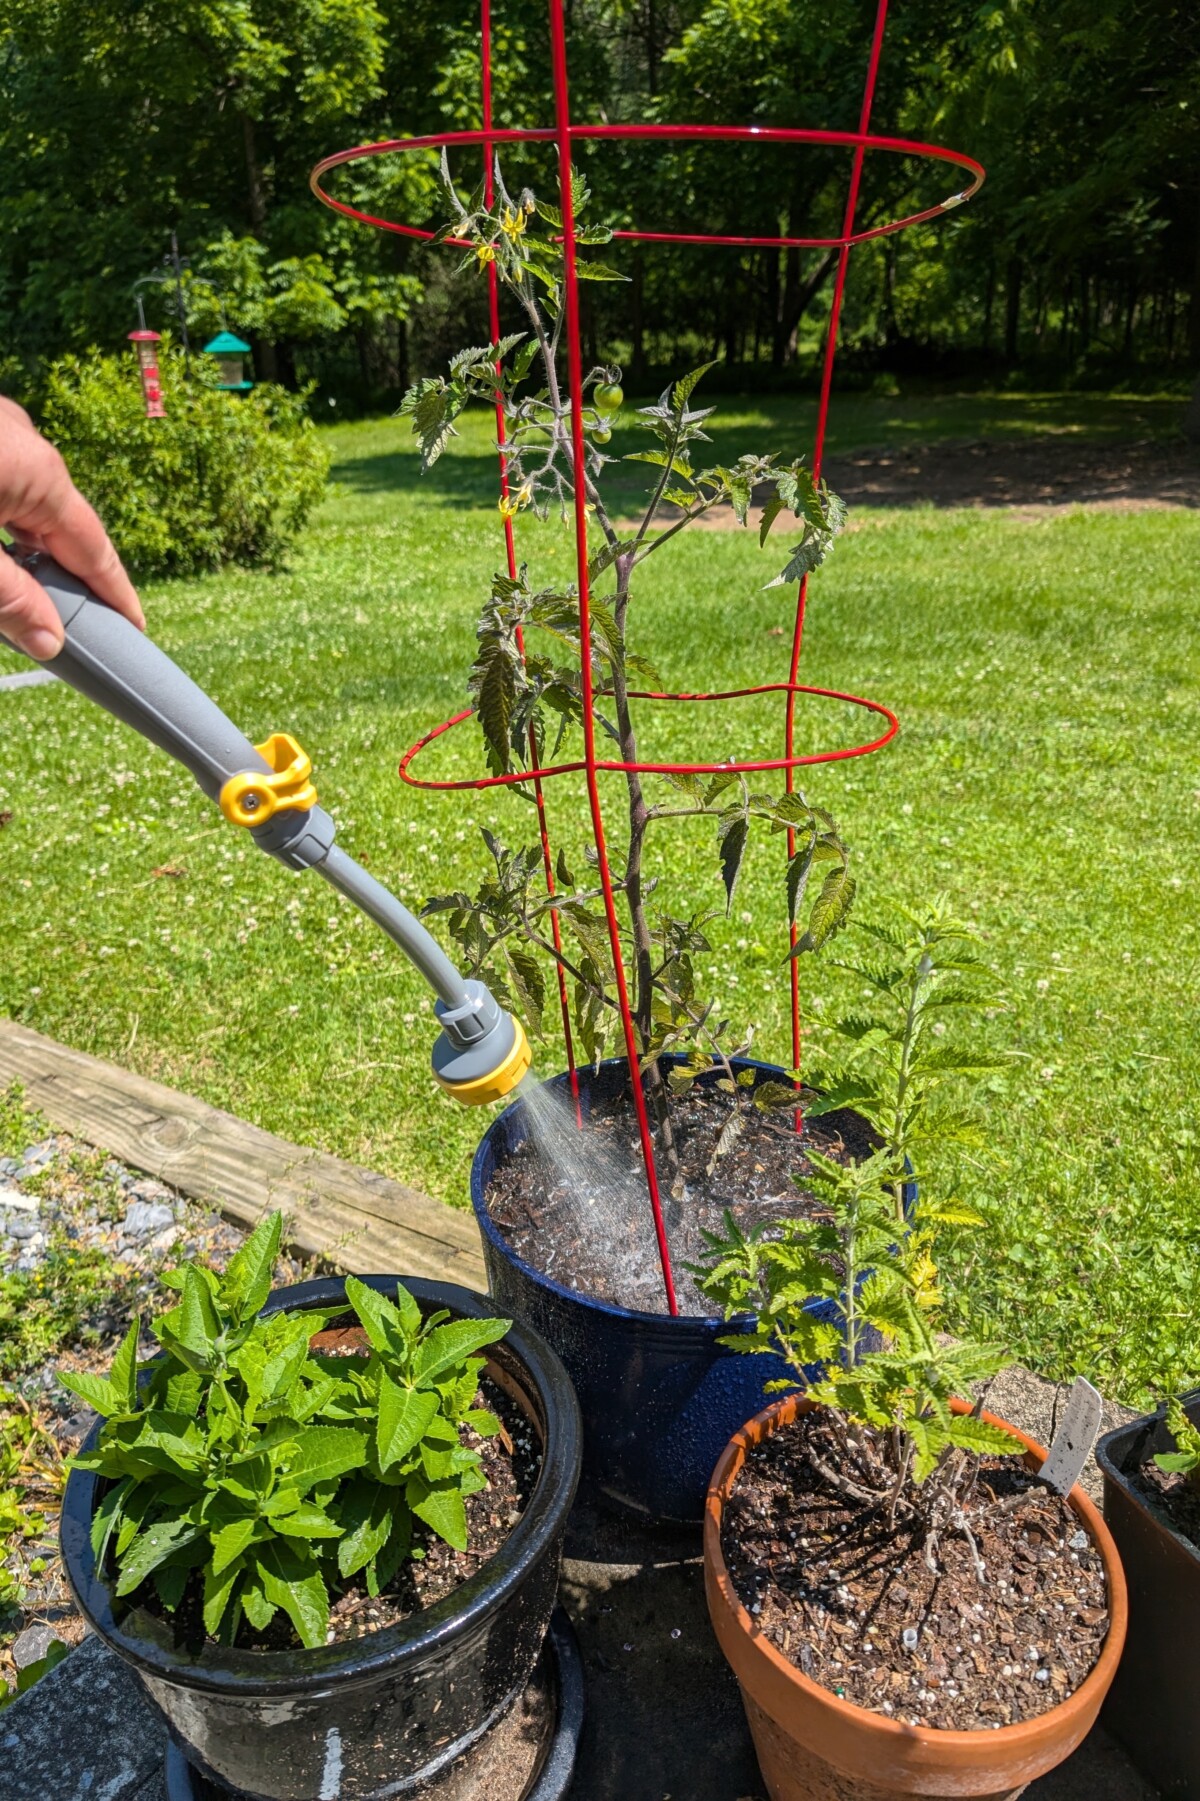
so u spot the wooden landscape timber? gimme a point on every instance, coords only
(355, 1219)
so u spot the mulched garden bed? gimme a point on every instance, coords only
(857, 1609)
(585, 1219)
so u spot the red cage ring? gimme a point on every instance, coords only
(728, 766)
(753, 134)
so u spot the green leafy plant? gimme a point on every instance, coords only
(48, 1307)
(873, 1357)
(906, 1063)
(20, 1124)
(221, 479)
(1184, 1460)
(526, 696)
(252, 1475)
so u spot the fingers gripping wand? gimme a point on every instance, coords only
(482, 1052)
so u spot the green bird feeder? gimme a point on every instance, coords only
(229, 352)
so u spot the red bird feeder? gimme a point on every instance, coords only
(146, 343)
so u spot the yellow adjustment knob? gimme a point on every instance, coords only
(512, 1069)
(254, 797)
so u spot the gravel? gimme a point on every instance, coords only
(32, 1645)
(39, 1157)
(144, 1218)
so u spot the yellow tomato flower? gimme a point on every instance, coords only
(485, 253)
(511, 504)
(512, 224)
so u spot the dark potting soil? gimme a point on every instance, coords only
(577, 1209)
(511, 1462)
(857, 1609)
(1173, 1496)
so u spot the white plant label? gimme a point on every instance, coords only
(1074, 1439)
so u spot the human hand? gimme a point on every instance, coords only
(44, 510)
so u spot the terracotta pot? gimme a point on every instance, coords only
(813, 1747)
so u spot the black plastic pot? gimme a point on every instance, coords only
(550, 1781)
(660, 1397)
(376, 1716)
(1151, 1706)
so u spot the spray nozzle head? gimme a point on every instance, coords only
(482, 1052)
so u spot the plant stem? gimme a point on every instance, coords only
(850, 1248)
(643, 949)
(912, 1012)
(639, 818)
(563, 961)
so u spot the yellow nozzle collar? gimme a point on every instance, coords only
(500, 1081)
(254, 797)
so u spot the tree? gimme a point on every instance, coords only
(119, 125)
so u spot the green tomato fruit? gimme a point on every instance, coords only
(609, 397)
(601, 433)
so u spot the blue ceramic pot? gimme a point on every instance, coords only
(660, 1397)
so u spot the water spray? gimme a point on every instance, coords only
(482, 1052)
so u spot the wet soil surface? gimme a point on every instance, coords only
(855, 1606)
(585, 1219)
(1037, 474)
(1175, 1497)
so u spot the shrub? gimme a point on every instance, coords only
(222, 479)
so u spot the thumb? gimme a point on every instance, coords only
(27, 616)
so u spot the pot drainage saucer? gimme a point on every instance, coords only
(529, 1755)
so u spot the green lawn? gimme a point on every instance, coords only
(1046, 674)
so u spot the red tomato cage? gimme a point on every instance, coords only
(562, 136)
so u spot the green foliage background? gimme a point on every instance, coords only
(1081, 253)
(223, 478)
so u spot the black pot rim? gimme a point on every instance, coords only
(225, 1670)
(1111, 1452)
(705, 1324)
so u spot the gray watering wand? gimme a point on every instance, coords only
(482, 1052)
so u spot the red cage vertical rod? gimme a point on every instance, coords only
(831, 338)
(489, 179)
(562, 121)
